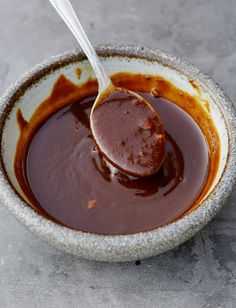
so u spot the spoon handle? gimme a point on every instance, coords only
(67, 13)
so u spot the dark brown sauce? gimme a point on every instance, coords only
(64, 177)
(128, 132)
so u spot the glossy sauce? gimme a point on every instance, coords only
(128, 132)
(64, 177)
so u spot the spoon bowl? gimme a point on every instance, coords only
(127, 130)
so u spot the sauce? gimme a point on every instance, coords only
(64, 177)
(128, 132)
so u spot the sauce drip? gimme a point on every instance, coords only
(65, 178)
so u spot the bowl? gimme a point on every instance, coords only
(32, 88)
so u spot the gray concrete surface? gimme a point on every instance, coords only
(200, 273)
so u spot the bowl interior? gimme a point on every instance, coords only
(41, 89)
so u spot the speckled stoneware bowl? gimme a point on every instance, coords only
(30, 90)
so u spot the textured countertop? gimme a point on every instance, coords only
(200, 273)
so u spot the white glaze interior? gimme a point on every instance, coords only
(36, 94)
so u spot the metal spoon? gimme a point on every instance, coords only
(126, 128)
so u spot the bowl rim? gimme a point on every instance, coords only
(130, 246)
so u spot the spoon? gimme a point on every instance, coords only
(126, 128)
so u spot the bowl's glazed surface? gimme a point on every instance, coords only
(30, 90)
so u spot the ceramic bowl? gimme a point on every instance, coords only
(31, 89)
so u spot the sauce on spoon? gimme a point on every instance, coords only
(129, 132)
